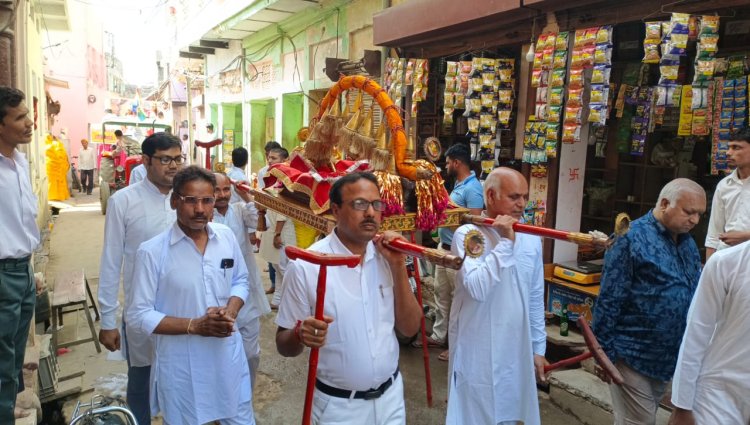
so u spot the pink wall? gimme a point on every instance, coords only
(77, 57)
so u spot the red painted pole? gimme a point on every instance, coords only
(423, 325)
(312, 369)
(323, 260)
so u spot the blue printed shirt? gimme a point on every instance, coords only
(647, 285)
(467, 193)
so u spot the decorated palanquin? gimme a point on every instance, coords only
(342, 141)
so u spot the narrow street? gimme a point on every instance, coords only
(76, 243)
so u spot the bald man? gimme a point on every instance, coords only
(496, 333)
(650, 275)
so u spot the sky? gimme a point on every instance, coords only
(137, 35)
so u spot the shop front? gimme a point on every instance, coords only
(609, 102)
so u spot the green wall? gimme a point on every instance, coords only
(260, 111)
(292, 112)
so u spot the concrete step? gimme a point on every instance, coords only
(586, 397)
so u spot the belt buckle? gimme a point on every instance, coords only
(372, 394)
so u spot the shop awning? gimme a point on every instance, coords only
(55, 82)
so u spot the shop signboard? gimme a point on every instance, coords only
(578, 302)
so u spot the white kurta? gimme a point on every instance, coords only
(496, 327)
(242, 218)
(713, 372)
(135, 214)
(236, 174)
(194, 379)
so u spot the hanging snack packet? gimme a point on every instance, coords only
(576, 78)
(598, 114)
(573, 114)
(604, 35)
(473, 124)
(653, 32)
(448, 116)
(548, 57)
(704, 71)
(587, 55)
(505, 75)
(709, 25)
(555, 95)
(650, 52)
(554, 113)
(589, 38)
(571, 133)
(536, 78)
(541, 95)
(599, 94)
(486, 99)
(561, 59)
(506, 96)
(503, 116)
(579, 38)
(540, 111)
(601, 74)
(460, 102)
(488, 78)
(561, 41)
(575, 96)
(552, 131)
(557, 78)
(451, 69)
(603, 54)
(661, 96)
(448, 99)
(409, 75)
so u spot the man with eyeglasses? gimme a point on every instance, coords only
(242, 218)
(136, 214)
(189, 284)
(358, 377)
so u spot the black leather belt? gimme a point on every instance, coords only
(445, 246)
(15, 261)
(370, 394)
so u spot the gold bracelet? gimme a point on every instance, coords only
(189, 323)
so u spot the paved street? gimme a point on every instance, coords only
(76, 243)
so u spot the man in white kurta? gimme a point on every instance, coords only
(242, 218)
(189, 283)
(358, 376)
(496, 333)
(711, 384)
(135, 214)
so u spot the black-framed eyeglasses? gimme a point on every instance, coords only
(165, 159)
(193, 200)
(364, 204)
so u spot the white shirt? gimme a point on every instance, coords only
(361, 350)
(137, 174)
(242, 219)
(135, 214)
(713, 373)
(86, 159)
(194, 379)
(730, 209)
(288, 238)
(238, 175)
(496, 327)
(262, 173)
(18, 208)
